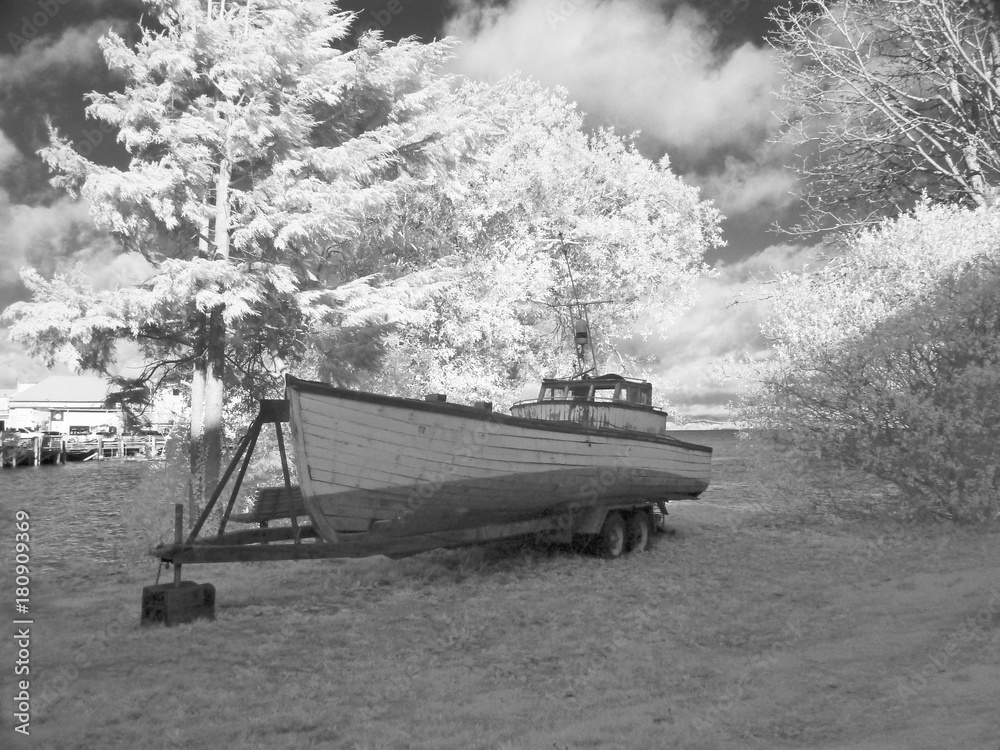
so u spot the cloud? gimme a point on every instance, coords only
(765, 265)
(41, 236)
(9, 154)
(743, 186)
(17, 367)
(75, 49)
(627, 63)
(723, 322)
(52, 238)
(56, 238)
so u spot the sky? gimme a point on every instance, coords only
(696, 78)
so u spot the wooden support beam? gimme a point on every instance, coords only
(235, 549)
(274, 410)
(178, 535)
(259, 536)
(286, 475)
(271, 410)
(239, 481)
(251, 436)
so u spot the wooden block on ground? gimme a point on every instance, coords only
(171, 604)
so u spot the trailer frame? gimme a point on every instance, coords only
(301, 541)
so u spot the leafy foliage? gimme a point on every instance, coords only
(543, 199)
(256, 144)
(357, 214)
(888, 100)
(887, 359)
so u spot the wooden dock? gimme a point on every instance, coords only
(48, 449)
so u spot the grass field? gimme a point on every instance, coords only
(738, 629)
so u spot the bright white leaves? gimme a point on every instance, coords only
(888, 359)
(302, 142)
(370, 205)
(890, 100)
(634, 235)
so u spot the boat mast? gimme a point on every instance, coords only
(581, 323)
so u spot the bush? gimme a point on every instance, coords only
(148, 514)
(888, 361)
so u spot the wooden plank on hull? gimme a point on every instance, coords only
(540, 451)
(444, 438)
(325, 396)
(534, 451)
(513, 493)
(353, 472)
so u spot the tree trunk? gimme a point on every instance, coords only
(214, 393)
(196, 445)
(976, 180)
(215, 345)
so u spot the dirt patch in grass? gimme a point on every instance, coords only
(738, 629)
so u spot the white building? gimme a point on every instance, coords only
(60, 402)
(5, 394)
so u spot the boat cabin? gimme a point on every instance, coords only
(608, 401)
(615, 388)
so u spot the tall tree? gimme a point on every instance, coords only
(352, 212)
(888, 100)
(548, 211)
(255, 144)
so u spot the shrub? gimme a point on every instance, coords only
(887, 360)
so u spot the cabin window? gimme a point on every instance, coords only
(605, 393)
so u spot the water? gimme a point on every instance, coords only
(75, 508)
(718, 440)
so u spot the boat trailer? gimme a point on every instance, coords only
(183, 601)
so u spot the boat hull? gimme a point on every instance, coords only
(379, 465)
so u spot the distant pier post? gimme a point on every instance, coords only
(178, 537)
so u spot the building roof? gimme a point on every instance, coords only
(64, 389)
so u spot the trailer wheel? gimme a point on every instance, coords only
(637, 531)
(611, 539)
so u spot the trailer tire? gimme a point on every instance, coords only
(611, 539)
(638, 530)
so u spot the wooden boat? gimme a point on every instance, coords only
(17, 447)
(382, 475)
(381, 466)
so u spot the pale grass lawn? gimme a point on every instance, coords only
(737, 630)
